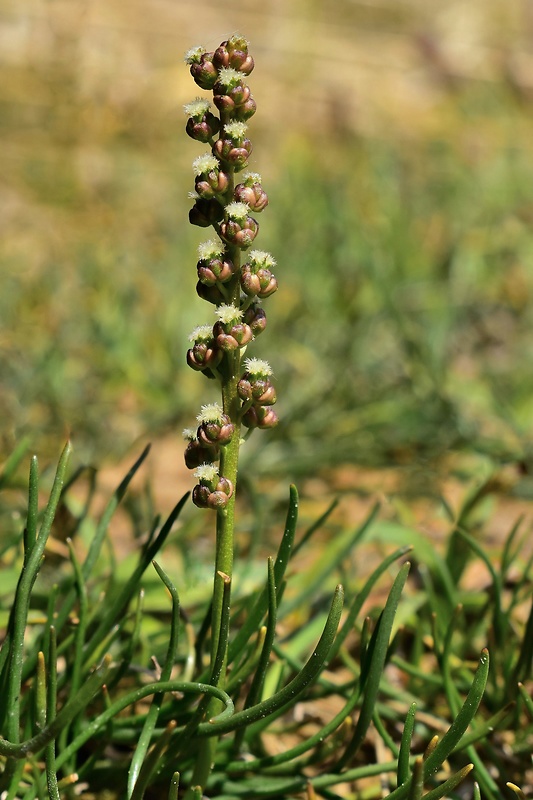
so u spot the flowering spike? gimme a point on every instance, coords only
(234, 288)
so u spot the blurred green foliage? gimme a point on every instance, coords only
(401, 328)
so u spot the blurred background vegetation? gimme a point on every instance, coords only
(395, 140)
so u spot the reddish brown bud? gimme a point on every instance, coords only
(204, 71)
(255, 317)
(260, 417)
(231, 337)
(203, 356)
(203, 129)
(260, 390)
(210, 293)
(210, 184)
(205, 212)
(252, 193)
(216, 432)
(234, 53)
(257, 282)
(245, 110)
(197, 453)
(239, 232)
(215, 269)
(235, 154)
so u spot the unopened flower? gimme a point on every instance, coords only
(255, 317)
(212, 266)
(212, 491)
(203, 70)
(233, 151)
(202, 124)
(251, 192)
(197, 453)
(204, 353)
(216, 428)
(238, 228)
(257, 279)
(260, 417)
(234, 53)
(229, 332)
(205, 212)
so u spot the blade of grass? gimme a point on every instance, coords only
(253, 621)
(372, 668)
(153, 713)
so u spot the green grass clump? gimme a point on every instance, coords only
(106, 676)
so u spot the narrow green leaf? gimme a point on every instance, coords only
(174, 787)
(449, 785)
(463, 719)
(403, 771)
(374, 664)
(153, 713)
(21, 604)
(362, 596)
(294, 688)
(260, 607)
(417, 782)
(115, 609)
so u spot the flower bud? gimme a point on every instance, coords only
(197, 453)
(256, 277)
(203, 70)
(211, 492)
(213, 267)
(204, 353)
(216, 428)
(234, 53)
(229, 331)
(251, 192)
(255, 317)
(211, 294)
(237, 227)
(202, 125)
(233, 147)
(230, 90)
(246, 110)
(255, 384)
(260, 417)
(205, 212)
(236, 156)
(210, 180)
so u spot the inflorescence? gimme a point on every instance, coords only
(235, 289)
